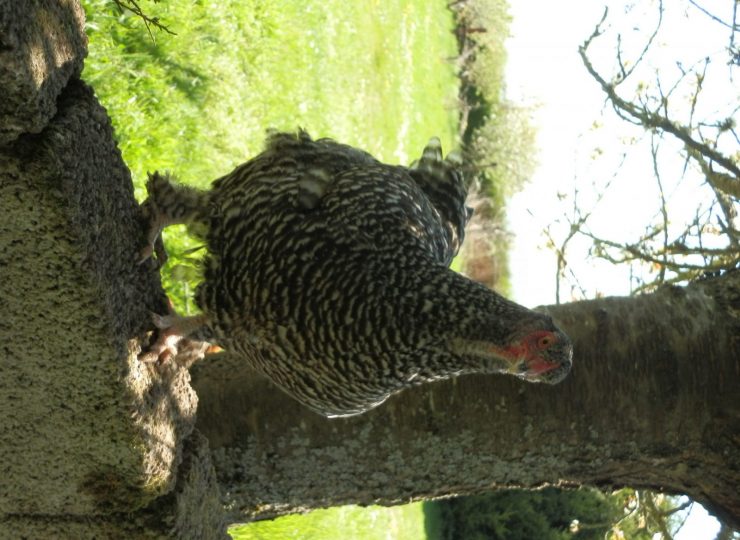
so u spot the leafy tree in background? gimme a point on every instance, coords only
(558, 514)
(547, 514)
(496, 133)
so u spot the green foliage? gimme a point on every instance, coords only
(341, 523)
(503, 149)
(643, 515)
(556, 514)
(483, 27)
(548, 514)
(498, 134)
(371, 74)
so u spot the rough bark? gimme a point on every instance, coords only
(651, 402)
(42, 46)
(93, 443)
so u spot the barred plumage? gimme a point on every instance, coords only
(328, 272)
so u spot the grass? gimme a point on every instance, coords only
(370, 73)
(358, 523)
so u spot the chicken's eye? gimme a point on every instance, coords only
(545, 341)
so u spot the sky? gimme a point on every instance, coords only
(545, 71)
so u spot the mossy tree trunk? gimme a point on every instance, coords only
(93, 443)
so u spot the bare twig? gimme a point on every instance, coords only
(695, 94)
(732, 26)
(663, 208)
(649, 42)
(133, 7)
(644, 117)
(726, 188)
(734, 55)
(633, 252)
(577, 223)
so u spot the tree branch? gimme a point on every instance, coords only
(663, 208)
(732, 26)
(649, 119)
